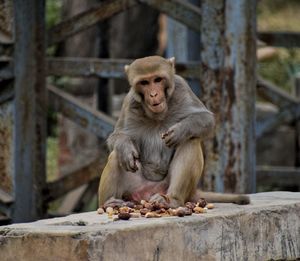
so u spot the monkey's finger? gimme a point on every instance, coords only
(132, 165)
(135, 154)
(171, 142)
(164, 135)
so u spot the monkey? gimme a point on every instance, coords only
(156, 151)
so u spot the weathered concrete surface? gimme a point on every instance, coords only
(268, 228)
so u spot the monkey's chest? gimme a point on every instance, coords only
(155, 156)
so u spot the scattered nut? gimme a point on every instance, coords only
(100, 211)
(199, 210)
(152, 215)
(135, 215)
(109, 210)
(210, 205)
(125, 210)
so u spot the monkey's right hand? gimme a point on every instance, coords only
(127, 156)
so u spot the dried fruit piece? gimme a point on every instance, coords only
(190, 205)
(201, 203)
(124, 215)
(180, 212)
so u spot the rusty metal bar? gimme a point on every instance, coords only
(274, 94)
(73, 179)
(107, 68)
(280, 175)
(30, 109)
(86, 117)
(180, 10)
(286, 115)
(84, 20)
(280, 39)
(228, 48)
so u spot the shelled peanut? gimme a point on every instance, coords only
(127, 210)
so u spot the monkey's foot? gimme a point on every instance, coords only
(161, 198)
(113, 202)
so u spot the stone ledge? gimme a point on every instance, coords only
(269, 228)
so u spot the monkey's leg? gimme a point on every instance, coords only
(115, 183)
(185, 171)
(110, 180)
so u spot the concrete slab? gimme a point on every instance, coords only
(267, 229)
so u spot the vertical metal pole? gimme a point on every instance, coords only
(30, 107)
(228, 40)
(297, 124)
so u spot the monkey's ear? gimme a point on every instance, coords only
(126, 68)
(172, 61)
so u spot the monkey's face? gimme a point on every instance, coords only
(152, 91)
(152, 82)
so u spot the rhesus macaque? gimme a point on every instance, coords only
(155, 148)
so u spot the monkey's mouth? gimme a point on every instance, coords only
(157, 107)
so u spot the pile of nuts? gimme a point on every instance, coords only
(127, 210)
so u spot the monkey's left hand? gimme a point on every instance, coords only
(174, 135)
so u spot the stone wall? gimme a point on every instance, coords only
(268, 228)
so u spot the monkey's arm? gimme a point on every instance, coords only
(122, 143)
(195, 120)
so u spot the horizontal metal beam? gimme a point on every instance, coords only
(107, 68)
(280, 39)
(274, 94)
(180, 10)
(86, 19)
(85, 116)
(72, 179)
(286, 115)
(279, 175)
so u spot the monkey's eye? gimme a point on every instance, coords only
(158, 79)
(144, 82)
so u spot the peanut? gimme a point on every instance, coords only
(100, 211)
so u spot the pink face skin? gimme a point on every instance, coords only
(153, 89)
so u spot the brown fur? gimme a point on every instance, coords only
(156, 144)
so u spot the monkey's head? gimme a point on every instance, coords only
(152, 81)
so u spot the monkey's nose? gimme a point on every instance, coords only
(153, 94)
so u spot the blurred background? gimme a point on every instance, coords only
(69, 146)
